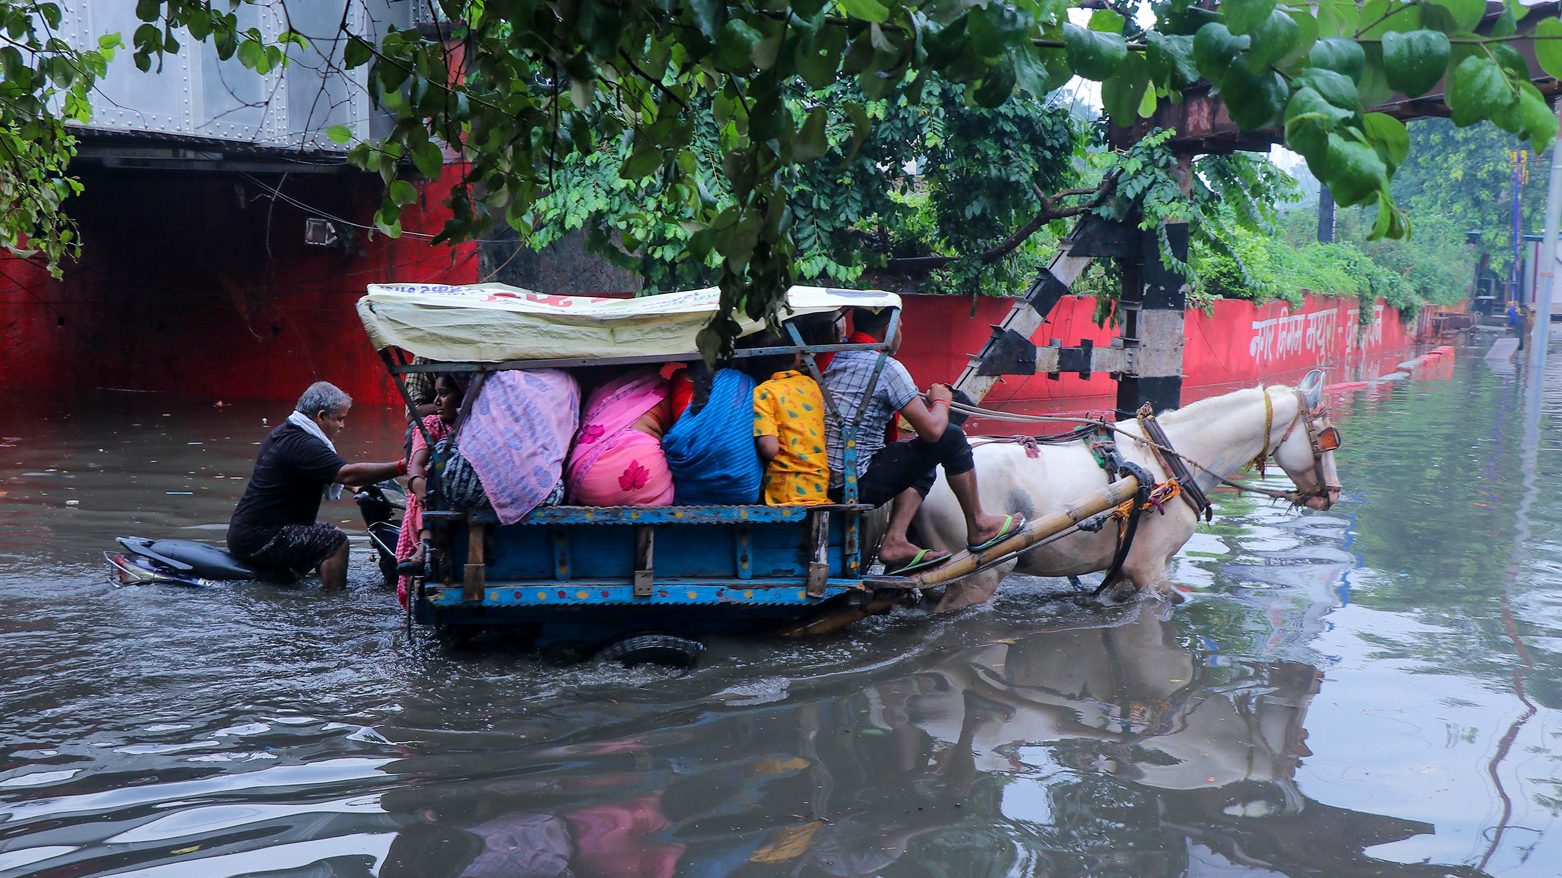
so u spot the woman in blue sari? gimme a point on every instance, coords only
(710, 449)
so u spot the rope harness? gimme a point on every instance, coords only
(1305, 416)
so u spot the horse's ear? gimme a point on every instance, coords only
(1312, 388)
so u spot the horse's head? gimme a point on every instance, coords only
(1306, 446)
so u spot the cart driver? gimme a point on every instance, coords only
(903, 471)
(273, 528)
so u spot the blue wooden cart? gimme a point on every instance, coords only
(590, 576)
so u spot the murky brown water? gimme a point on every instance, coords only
(1369, 691)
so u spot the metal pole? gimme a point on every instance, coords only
(1325, 215)
(1515, 282)
(1541, 334)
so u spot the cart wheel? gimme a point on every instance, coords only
(661, 649)
(456, 636)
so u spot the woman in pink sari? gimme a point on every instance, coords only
(617, 459)
(409, 546)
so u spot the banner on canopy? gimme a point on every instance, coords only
(490, 323)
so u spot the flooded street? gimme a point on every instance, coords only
(1373, 690)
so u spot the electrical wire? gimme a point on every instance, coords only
(277, 193)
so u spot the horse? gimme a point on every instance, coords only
(1224, 433)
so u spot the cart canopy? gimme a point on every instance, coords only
(492, 323)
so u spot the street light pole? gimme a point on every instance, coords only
(1541, 334)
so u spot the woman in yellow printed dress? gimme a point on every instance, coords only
(789, 432)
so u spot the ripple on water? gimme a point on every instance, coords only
(1333, 698)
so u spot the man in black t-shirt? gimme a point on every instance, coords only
(274, 526)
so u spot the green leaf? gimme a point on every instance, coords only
(1386, 16)
(1478, 90)
(1245, 15)
(1271, 40)
(356, 53)
(1549, 51)
(1170, 60)
(1354, 173)
(1341, 55)
(428, 159)
(1373, 86)
(339, 133)
(1389, 132)
(860, 129)
(1030, 72)
(403, 193)
(1214, 48)
(1309, 119)
(1439, 19)
(252, 54)
(996, 86)
(1147, 104)
(1467, 13)
(1414, 61)
(819, 61)
(1337, 18)
(1091, 54)
(1123, 92)
(1509, 59)
(1107, 21)
(867, 10)
(1505, 25)
(1254, 100)
(1306, 37)
(645, 159)
(735, 47)
(810, 144)
(1539, 123)
(710, 16)
(1310, 106)
(1336, 88)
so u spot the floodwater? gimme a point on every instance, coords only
(1374, 690)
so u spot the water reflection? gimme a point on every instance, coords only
(1370, 691)
(1103, 751)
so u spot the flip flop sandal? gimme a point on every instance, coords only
(1011, 525)
(921, 561)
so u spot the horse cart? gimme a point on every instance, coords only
(643, 582)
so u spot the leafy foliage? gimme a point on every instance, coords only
(46, 86)
(713, 91)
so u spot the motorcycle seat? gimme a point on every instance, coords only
(186, 556)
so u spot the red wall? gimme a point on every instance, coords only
(177, 292)
(1239, 345)
(198, 284)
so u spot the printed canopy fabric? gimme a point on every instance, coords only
(490, 323)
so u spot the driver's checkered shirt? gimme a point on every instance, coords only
(846, 379)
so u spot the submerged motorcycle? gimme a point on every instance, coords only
(186, 562)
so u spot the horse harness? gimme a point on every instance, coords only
(1320, 440)
(1180, 482)
(1099, 439)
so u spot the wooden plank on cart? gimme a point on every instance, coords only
(645, 542)
(818, 552)
(475, 574)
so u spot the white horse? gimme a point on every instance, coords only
(1224, 433)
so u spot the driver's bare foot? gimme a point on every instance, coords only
(897, 553)
(987, 527)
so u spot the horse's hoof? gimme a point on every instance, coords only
(1122, 593)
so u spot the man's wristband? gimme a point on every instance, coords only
(401, 467)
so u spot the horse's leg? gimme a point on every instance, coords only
(1146, 564)
(973, 589)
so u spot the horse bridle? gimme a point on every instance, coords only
(1321, 440)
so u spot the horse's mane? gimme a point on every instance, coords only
(1205, 407)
